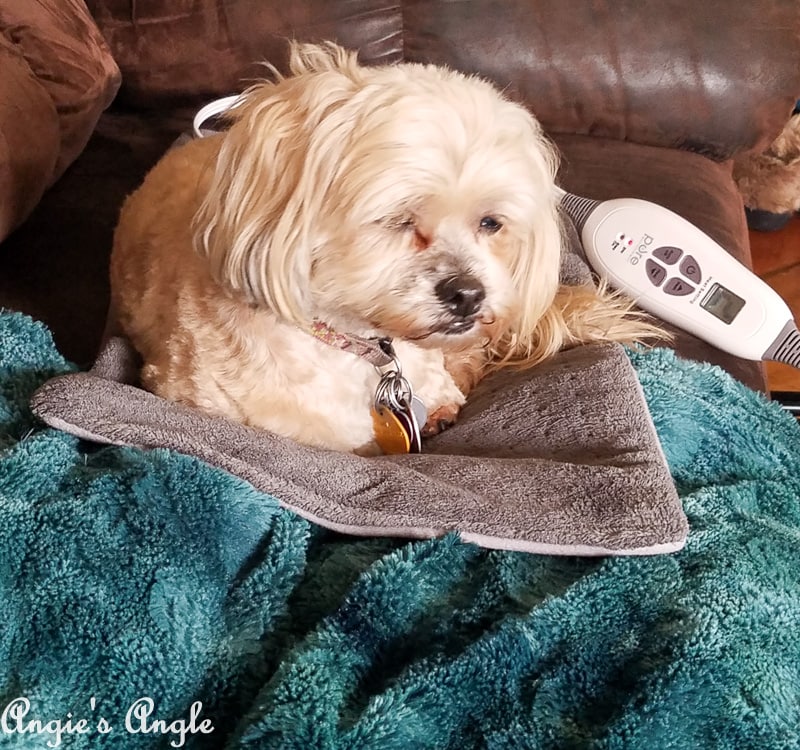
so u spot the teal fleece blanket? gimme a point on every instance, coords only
(150, 601)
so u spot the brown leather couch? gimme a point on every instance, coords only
(644, 98)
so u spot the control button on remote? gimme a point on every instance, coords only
(669, 255)
(678, 287)
(691, 270)
(655, 271)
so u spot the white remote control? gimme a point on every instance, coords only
(675, 271)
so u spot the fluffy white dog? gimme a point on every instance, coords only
(253, 269)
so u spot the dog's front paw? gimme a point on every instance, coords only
(440, 419)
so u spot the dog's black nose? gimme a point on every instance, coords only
(462, 295)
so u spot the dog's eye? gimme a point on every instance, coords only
(399, 223)
(490, 224)
(405, 222)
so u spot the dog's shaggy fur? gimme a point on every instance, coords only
(406, 201)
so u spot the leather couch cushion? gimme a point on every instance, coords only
(56, 77)
(189, 50)
(645, 71)
(710, 77)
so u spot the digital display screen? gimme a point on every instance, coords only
(722, 303)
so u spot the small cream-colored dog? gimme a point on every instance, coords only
(407, 201)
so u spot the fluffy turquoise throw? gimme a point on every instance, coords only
(147, 600)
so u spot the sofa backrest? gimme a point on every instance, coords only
(715, 77)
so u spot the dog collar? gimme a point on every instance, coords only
(397, 413)
(377, 351)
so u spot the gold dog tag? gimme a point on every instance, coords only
(390, 434)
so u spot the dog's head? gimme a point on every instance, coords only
(409, 201)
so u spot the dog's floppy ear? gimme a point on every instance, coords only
(552, 315)
(254, 225)
(537, 260)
